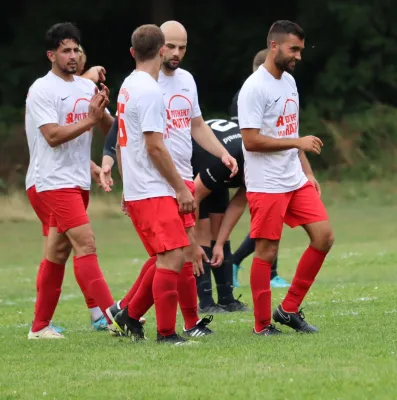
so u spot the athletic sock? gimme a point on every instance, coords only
(95, 313)
(306, 272)
(224, 276)
(128, 297)
(273, 272)
(204, 283)
(261, 294)
(187, 292)
(50, 284)
(246, 248)
(143, 298)
(165, 295)
(86, 269)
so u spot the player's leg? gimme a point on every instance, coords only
(187, 290)
(69, 209)
(165, 237)
(267, 216)
(50, 283)
(224, 273)
(246, 248)
(207, 304)
(306, 209)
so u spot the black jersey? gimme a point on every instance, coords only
(213, 173)
(109, 148)
(233, 110)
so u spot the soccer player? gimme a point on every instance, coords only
(212, 181)
(61, 110)
(247, 247)
(278, 189)
(151, 183)
(98, 320)
(184, 121)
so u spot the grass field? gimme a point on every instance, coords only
(353, 303)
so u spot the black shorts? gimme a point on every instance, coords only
(215, 203)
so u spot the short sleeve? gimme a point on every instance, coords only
(214, 175)
(150, 107)
(251, 106)
(41, 104)
(196, 111)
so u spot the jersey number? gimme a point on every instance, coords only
(221, 125)
(122, 133)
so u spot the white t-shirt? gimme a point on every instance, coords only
(181, 102)
(271, 105)
(51, 100)
(141, 109)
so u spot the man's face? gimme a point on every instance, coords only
(66, 56)
(288, 53)
(174, 51)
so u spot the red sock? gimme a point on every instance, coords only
(187, 291)
(38, 275)
(88, 272)
(307, 270)
(261, 293)
(80, 280)
(143, 299)
(165, 295)
(50, 284)
(128, 297)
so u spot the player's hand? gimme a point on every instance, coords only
(217, 256)
(97, 106)
(186, 201)
(105, 177)
(95, 173)
(95, 74)
(315, 183)
(198, 257)
(124, 207)
(231, 163)
(104, 91)
(310, 143)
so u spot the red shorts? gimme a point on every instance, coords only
(67, 207)
(189, 220)
(270, 210)
(158, 223)
(40, 209)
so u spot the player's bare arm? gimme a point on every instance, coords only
(56, 135)
(307, 170)
(205, 137)
(95, 74)
(162, 160)
(233, 213)
(253, 141)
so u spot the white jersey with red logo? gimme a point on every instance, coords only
(51, 100)
(271, 105)
(140, 109)
(181, 102)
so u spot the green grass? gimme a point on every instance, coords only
(353, 303)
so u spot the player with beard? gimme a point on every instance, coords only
(61, 110)
(184, 121)
(247, 247)
(278, 190)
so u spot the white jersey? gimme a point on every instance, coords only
(181, 102)
(51, 100)
(141, 109)
(271, 105)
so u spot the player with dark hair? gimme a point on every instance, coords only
(61, 110)
(280, 183)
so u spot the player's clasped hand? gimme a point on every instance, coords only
(186, 201)
(97, 105)
(217, 256)
(310, 143)
(105, 177)
(231, 163)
